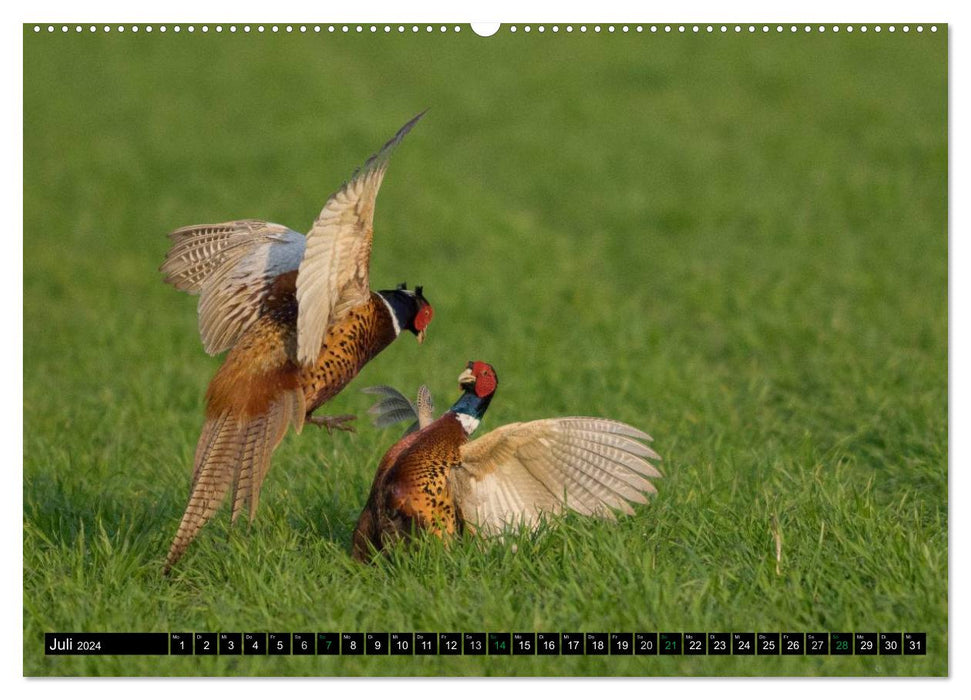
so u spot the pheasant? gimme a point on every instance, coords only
(299, 320)
(435, 479)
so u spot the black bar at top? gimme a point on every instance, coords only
(106, 643)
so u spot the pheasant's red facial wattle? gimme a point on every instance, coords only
(485, 379)
(424, 317)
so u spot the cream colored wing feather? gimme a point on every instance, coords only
(425, 406)
(333, 276)
(520, 472)
(230, 265)
(396, 408)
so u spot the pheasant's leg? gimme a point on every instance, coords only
(334, 422)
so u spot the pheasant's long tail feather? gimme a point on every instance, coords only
(217, 459)
(233, 453)
(259, 439)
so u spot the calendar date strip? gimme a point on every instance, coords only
(486, 643)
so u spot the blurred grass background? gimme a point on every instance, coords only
(735, 242)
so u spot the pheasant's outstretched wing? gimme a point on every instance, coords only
(231, 266)
(519, 472)
(334, 273)
(396, 408)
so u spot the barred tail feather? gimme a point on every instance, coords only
(233, 453)
(260, 438)
(217, 456)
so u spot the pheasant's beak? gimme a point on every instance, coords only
(466, 379)
(421, 336)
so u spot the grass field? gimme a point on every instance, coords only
(737, 243)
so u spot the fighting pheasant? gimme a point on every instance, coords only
(299, 320)
(435, 479)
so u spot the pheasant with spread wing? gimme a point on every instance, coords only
(435, 479)
(299, 320)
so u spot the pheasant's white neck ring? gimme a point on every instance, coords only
(469, 410)
(394, 316)
(469, 423)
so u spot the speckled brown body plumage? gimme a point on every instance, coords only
(348, 346)
(264, 362)
(411, 489)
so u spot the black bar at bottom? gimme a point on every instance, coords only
(566, 643)
(105, 643)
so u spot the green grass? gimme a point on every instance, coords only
(736, 243)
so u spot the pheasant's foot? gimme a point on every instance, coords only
(334, 422)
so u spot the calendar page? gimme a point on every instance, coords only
(527, 349)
